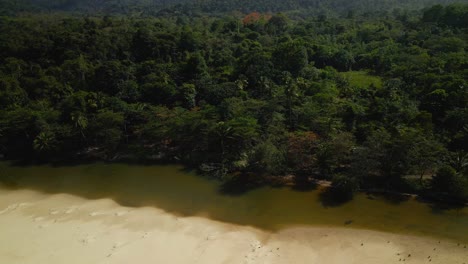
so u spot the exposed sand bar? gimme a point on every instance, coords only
(62, 228)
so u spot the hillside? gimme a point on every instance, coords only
(154, 7)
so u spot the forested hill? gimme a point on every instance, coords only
(317, 6)
(10, 7)
(154, 7)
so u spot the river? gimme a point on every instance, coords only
(184, 193)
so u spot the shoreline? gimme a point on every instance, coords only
(290, 181)
(63, 228)
(259, 181)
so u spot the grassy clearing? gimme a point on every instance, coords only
(362, 79)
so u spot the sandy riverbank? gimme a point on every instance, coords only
(62, 228)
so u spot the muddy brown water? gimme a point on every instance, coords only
(183, 193)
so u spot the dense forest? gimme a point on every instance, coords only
(364, 99)
(193, 7)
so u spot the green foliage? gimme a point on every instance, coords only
(152, 7)
(277, 24)
(290, 56)
(449, 182)
(369, 97)
(362, 79)
(453, 15)
(335, 153)
(11, 94)
(269, 158)
(44, 142)
(106, 128)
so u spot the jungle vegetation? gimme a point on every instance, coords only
(364, 98)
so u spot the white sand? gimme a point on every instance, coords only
(42, 228)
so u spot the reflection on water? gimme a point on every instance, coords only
(183, 193)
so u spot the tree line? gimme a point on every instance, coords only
(158, 7)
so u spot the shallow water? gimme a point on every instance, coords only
(183, 193)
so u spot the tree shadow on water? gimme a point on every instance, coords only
(8, 181)
(304, 184)
(440, 206)
(238, 184)
(330, 197)
(389, 197)
(89, 161)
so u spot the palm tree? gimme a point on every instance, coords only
(44, 142)
(223, 131)
(80, 122)
(459, 161)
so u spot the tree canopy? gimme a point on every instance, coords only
(368, 99)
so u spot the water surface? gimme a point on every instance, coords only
(183, 193)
